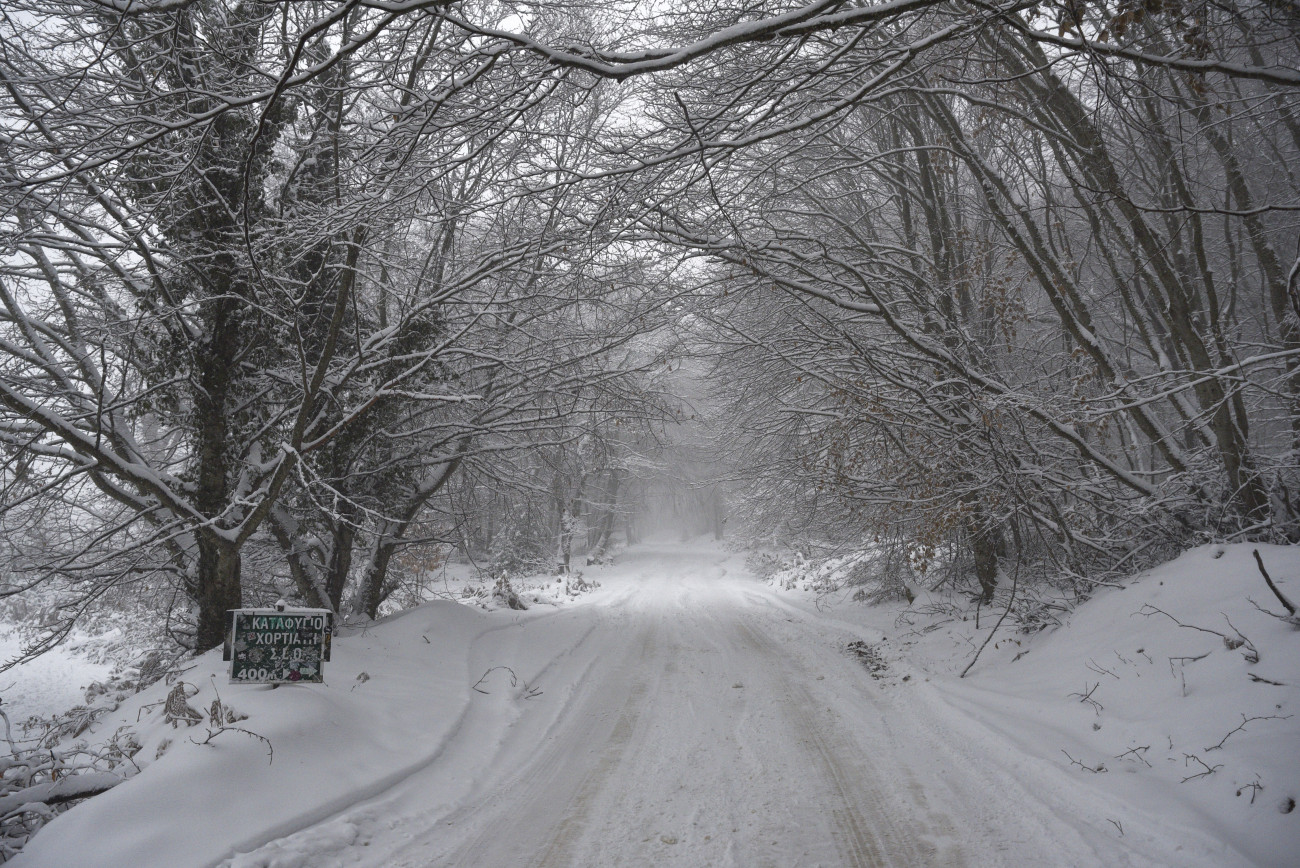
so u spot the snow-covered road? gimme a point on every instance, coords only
(689, 716)
(691, 736)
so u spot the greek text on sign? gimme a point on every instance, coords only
(278, 646)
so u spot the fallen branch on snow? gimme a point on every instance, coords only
(1232, 643)
(1100, 768)
(1209, 770)
(1245, 720)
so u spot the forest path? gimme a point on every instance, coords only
(690, 717)
(693, 739)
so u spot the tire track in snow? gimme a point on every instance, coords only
(382, 811)
(855, 838)
(558, 853)
(683, 652)
(553, 788)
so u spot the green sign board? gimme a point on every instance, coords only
(278, 646)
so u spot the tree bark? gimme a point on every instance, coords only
(218, 588)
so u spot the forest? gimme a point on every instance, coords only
(299, 298)
(995, 301)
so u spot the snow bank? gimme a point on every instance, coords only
(1172, 698)
(393, 694)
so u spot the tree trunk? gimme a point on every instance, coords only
(340, 562)
(218, 581)
(610, 507)
(218, 589)
(984, 544)
(373, 591)
(389, 535)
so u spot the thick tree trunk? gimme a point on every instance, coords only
(217, 581)
(340, 562)
(373, 591)
(218, 589)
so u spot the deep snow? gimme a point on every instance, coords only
(685, 713)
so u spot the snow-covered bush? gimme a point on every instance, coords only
(505, 593)
(49, 769)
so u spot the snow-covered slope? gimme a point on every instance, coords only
(1203, 725)
(689, 715)
(390, 701)
(1134, 707)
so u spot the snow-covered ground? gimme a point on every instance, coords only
(50, 684)
(685, 713)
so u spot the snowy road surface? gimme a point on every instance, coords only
(691, 717)
(692, 737)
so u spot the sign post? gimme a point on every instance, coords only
(278, 646)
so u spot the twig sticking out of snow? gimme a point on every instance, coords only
(1098, 770)
(1209, 770)
(213, 733)
(1257, 679)
(1232, 643)
(1099, 669)
(1268, 580)
(1245, 720)
(1086, 696)
(1254, 786)
(1134, 751)
(222, 716)
(529, 691)
(1181, 673)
